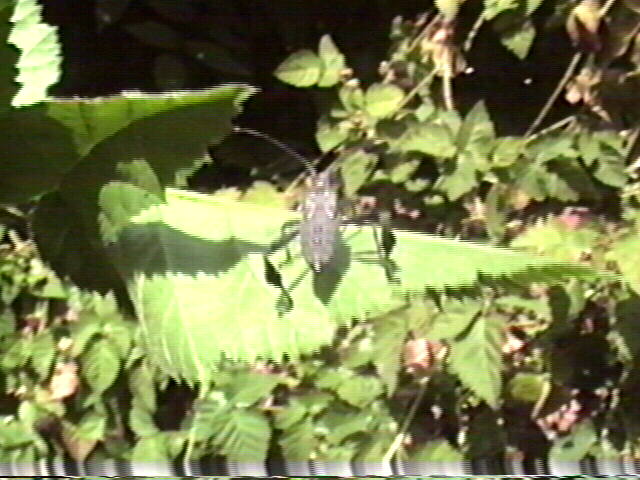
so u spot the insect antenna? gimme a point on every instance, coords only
(278, 144)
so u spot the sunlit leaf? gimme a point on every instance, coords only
(477, 359)
(382, 99)
(449, 8)
(332, 60)
(40, 53)
(300, 69)
(574, 446)
(519, 38)
(428, 138)
(191, 275)
(625, 253)
(356, 167)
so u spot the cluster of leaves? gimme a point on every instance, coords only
(402, 140)
(473, 368)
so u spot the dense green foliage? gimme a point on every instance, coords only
(502, 318)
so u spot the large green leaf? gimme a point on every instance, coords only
(155, 140)
(94, 120)
(202, 288)
(35, 156)
(40, 57)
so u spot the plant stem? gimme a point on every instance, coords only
(405, 425)
(466, 46)
(558, 124)
(554, 96)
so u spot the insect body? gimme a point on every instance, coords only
(320, 223)
(320, 219)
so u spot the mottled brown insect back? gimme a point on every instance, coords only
(320, 219)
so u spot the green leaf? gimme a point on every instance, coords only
(43, 354)
(389, 334)
(496, 210)
(93, 121)
(332, 60)
(403, 171)
(30, 168)
(574, 446)
(589, 147)
(290, 414)
(173, 262)
(624, 252)
(332, 378)
(299, 441)
(477, 359)
(429, 138)
(360, 391)
(518, 38)
(154, 34)
(82, 331)
(92, 426)
(100, 365)
(476, 129)
(352, 97)
(611, 170)
(493, 8)
(245, 436)
(383, 99)
(17, 354)
(247, 388)
(455, 318)
(329, 134)
(532, 5)
(356, 167)
(170, 132)
(154, 448)
(528, 387)
(552, 148)
(339, 425)
(375, 447)
(139, 173)
(15, 434)
(142, 386)
(300, 69)
(437, 451)
(507, 150)
(141, 420)
(449, 8)
(120, 333)
(459, 181)
(40, 53)
(625, 335)
(557, 240)
(537, 181)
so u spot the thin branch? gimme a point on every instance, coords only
(447, 91)
(466, 46)
(405, 425)
(554, 96)
(558, 124)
